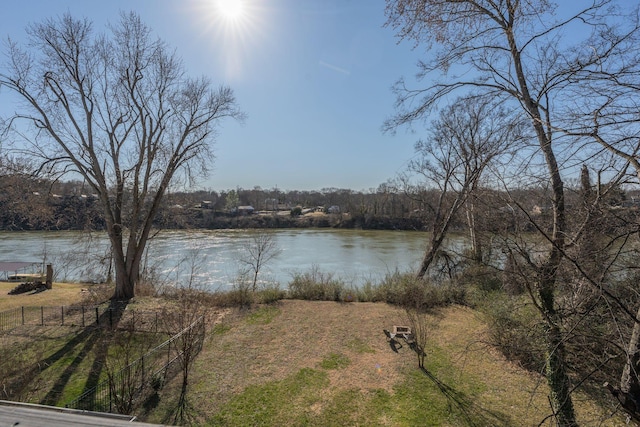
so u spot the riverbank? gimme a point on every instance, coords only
(269, 220)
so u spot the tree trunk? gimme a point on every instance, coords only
(125, 284)
(629, 382)
(436, 242)
(557, 378)
(126, 266)
(476, 248)
(555, 368)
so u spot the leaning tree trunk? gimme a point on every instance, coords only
(429, 255)
(629, 381)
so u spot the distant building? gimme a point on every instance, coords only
(245, 210)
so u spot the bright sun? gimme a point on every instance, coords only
(234, 28)
(231, 10)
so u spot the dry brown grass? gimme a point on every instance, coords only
(60, 294)
(303, 333)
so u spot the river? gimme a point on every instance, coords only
(213, 257)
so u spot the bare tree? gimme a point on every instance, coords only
(261, 249)
(468, 135)
(514, 51)
(117, 109)
(608, 116)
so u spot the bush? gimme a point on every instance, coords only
(239, 296)
(406, 290)
(316, 286)
(480, 281)
(368, 292)
(269, 294)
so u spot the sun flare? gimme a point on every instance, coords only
(231, 10)
(235, 30)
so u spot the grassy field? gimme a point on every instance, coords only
(60, 294)
(329, 364)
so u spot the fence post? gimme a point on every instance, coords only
(22, 315)
(62, 314)
(41, 315)
(83, 316)
(168, 353)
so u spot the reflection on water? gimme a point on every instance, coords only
(212, 256)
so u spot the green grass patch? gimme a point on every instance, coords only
(275, 403)
(335, 361)
(442, 395)
(306, 399)
(263, 315)
(296, 401)
(54, 368)
(359, 346)
(220, 329)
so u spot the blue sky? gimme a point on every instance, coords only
(313, 76)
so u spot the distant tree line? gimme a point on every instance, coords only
(31, 202)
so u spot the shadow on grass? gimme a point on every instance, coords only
(183, 413)
(88, 339)
(471, 412)
(91, 337)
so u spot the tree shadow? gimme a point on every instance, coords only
(183, 413)
(89, 338)
(472, 413)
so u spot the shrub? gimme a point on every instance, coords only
(368, 292)
(146, 288)
(239, 296)
(406, 290)
(316, 286)
(269, 294)
(97, 294)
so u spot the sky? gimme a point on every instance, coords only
(313, 76)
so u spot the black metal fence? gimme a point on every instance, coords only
(101, 315)
(123, 391)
